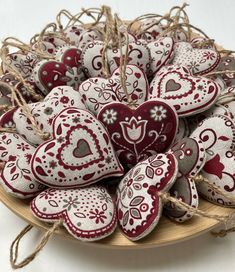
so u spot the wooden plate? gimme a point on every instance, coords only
(167, 232)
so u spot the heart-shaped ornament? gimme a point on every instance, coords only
(198, 61)
(44, 112)
(73, 34)
(98, 92)
(188, 94)
(191, 157)
(65, 70)
(227, 63)
(138, 54)
(79, 153)
(138, 204)
(140, 133)
(161, 52)
(88, 213)
(218, 136)
(16, 175)
(149, 30)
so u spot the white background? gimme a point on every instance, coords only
(23, 18)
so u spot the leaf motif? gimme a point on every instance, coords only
(223, 138)
(10, 165)
(53, 203)
(80, 215)
(104, 207)
(136, 201)
(149, 172)
(125, 218)
(27, 177)
(25, 171)
(13, 169)
(135, 213)
(15, 176)
(157, 163)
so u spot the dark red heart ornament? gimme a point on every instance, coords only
(140, 133)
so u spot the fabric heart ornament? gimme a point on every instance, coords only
(53, 38)
(198, 61)
(161, 52)
(218, 136)
(202, 42)
(46, 47)
(98, 92)
(73, 34)
(188, 94)
(191, 157)
(140, 133)
(79, 153)
(177, 35)
(150, 29)
(23, 63)
(16, 175)
(65, 70)
(88, 36)
(227, 63)
(44, 112)
(138, 204)
(138, 54)
(88, 213)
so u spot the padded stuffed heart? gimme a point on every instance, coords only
(98, 92)
(198, 61)
(16, 176)
(44, 112)
(161, 52)
(138, 54)
(66, 70)
(88, 213)
(218, 136)
(138, 134)
(188, 94)
(149, 30)
(79, 153)
(191, 157)
(227, 63)
(138, 204)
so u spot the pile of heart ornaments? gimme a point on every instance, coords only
(152, 136)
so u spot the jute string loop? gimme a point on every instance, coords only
(14, 249)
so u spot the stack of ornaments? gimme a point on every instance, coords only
(139, 107)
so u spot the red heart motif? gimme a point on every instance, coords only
(188, 94)
(140, 133)
(66, 70)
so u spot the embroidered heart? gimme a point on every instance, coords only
(44, 112)
(191, 157)
(188, 94)
(98, 92)
(66, 70)
(161, 52)
(16, 177)
(138, 54)
(198, 61)
(138, 204)
(53, 163)
(73, 34)
(218, 136)
(227, 63)
(45, 46)
(150, 30)
(138, 134)
(88, 213)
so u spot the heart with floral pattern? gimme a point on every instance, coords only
(188, 94)
(161, 52)
(138, 54)
(16, 175)
(191, 157)
(218, 136)
(98, 92)
(88, 213)
(73, 34)
(138, 204)
(44, 112)
(198, 61)
(79, 153)
(140, 133)
(65, 70)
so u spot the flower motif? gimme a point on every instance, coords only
(53, 164)
(71, 203)
(23, 146)
(109, 116)
(158, 113)
(209, 55)
(64, 99)
(73, 75)
(46, 194)
(98, 216)
(133, 130)
(9, 124)
(105, 197)
(48, 111)
(193, 66)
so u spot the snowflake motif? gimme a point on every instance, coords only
(98, 216)
(158, 113)
(23, 146)
(48, 193)
(108, 159)
(104, 197)
(73, 75)
(53, 164)
(109, 116)
(193, 66)
(76, 119)
(71, 203)
(60, 139)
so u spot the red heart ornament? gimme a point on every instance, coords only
(98, 92)
(188, 94)
(66, 70)
(198, 61)
(88, 213)
(60, 163)
(140, 133)
(138, 204)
